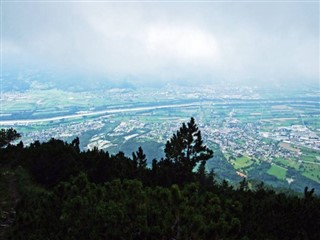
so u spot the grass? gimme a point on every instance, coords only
(287, 162)
(267, 140)
(277, 171)
(242, 162)
(309, 154)
(311, 171)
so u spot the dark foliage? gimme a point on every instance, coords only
(7, 136)
(94, 195)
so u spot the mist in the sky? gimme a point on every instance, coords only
(255, 42)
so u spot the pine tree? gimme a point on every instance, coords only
(139, 159)
(186, 148)
(7, 136)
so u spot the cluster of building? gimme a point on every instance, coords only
(239, 139)
(297, 135)
(62, 131)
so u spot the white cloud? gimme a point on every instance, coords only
(164, 41)
(182, 43)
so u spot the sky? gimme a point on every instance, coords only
(170, 42)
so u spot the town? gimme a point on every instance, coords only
(247, 130)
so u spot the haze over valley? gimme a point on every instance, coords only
(124, 75)
(262, 135)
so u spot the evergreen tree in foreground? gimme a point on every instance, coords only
(185, 150)
(139, 159)
(7, 136)
(67, 194)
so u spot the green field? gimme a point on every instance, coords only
(287, 162)
(310, 155)
(242, 162)
(311, 171)
(309, 168)
(159, 123)
(277, 171)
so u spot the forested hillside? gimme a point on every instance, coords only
(52, 190)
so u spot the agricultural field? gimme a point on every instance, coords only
(277, 171)
(242, 162)
(276, 138)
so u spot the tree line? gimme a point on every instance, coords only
(73, 194)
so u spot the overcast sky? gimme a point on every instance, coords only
(203, 42)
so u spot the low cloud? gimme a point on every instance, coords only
(165, 41)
